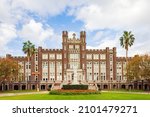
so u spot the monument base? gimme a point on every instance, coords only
(75, 82)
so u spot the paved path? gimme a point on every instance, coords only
(22, 93)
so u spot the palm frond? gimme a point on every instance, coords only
(28, 48)
(127, 39)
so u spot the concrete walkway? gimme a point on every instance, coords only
(22, 93)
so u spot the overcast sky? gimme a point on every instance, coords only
(42, 22)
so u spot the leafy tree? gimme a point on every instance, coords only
(9, 70)
(145, 67)
(139, 68)
(133, 68)
(29, 50)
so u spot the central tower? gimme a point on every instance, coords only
(74, 57)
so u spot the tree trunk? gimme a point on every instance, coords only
(126, 63)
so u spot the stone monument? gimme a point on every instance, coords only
(75, 78)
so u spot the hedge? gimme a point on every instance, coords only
(75, 87)
(73, 92)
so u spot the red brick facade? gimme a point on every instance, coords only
(51, 68)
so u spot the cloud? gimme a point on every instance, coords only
(118, 15)
(26, 19)
(35, 32)
(104, 39)
(113, 14)
(7, 34)
(42, 7)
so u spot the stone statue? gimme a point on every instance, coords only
(75, 79)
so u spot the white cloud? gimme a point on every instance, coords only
(95, 14)
(7, 34)
(5, 14)
(117, 15)
(42, 7)
(105, 39)
(35, 32)
(113, 14)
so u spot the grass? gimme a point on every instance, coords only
(126, 90)
(102, 96)
(73, 92)
(17, 91)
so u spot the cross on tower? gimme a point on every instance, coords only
(74, 35)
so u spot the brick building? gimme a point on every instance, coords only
(73, 64)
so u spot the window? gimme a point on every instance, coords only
(45, 64)
(29, 78)
(77, 46)
(28, 66)
(70, 46)
(36, 57)
(74, 61)
(103, 56)
(89, 56)
(44, 56)
(74, 56)
(52, 56)
(59, 56)
(111, 57)
(36, 78)
(45, 73)
(103, 77)
(103, 70)
(36, 67)
(96, 56)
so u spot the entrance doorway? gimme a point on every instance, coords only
(123, 86)
(105, 86)
(43, 87)
(16, 87)
(33, 87)
(23, 87)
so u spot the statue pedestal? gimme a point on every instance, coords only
(75, 82)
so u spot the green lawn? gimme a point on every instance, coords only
(17, 91)
(102, 96)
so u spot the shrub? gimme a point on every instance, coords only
(48, 89)
(73, 92)
(75, 87)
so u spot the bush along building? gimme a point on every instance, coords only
(73, 64)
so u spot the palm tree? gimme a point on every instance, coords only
(127, 41)
(29, 49)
